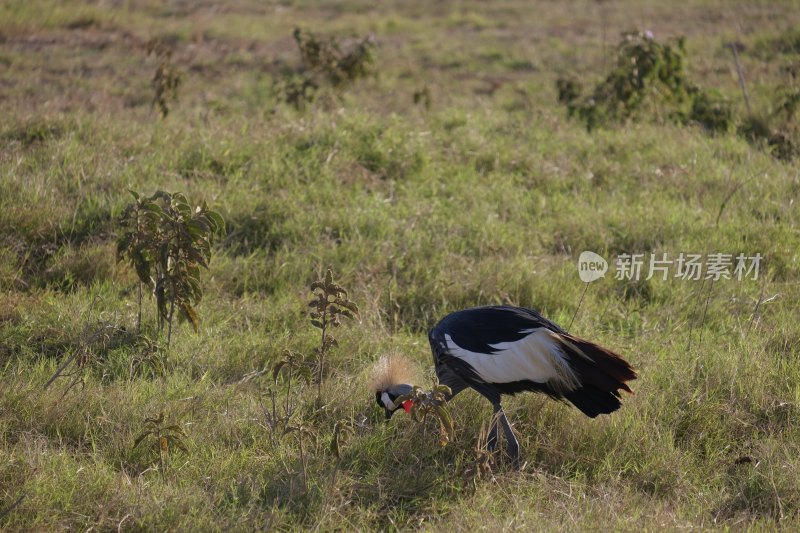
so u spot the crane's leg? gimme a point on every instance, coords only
(513, 445)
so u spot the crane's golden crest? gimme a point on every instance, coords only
(390, 370)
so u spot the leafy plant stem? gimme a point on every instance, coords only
(742, 84)
(139, 316)
(288, 393)
(169, 320)
(324, 321)
(160, 454)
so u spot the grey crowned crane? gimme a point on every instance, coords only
(499, 350)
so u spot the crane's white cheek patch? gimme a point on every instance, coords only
(387, 401)
(537, 357)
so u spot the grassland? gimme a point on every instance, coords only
(487, 195)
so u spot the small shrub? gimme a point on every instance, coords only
(326, 62)
(326, 57)
(298, 90)
(423, 97)
(649, 79)
(711, 111)
(148, 358)
(166, 241)
(778, 130)
(761, 131)
(569, 92)
(166, 78)
(329, 306)
(164, 437)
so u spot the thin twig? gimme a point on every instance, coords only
(83, 346)
(12, 506)
(78, 379)
(755, 311)
(585, 288)
(63, 366)
(119, 526)
(741, 79)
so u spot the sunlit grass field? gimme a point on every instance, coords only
(482, 191)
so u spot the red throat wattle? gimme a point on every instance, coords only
(407, 405)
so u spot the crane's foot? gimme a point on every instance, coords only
(513, 444)
(513, 451)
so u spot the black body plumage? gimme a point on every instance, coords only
(499, 350)
(599, 373)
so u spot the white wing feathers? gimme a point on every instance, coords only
(537, 357)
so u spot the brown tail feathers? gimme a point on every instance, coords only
(602, 373)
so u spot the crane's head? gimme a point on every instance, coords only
(388, 399)
(389, 379)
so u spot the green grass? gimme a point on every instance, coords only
(487, 196)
